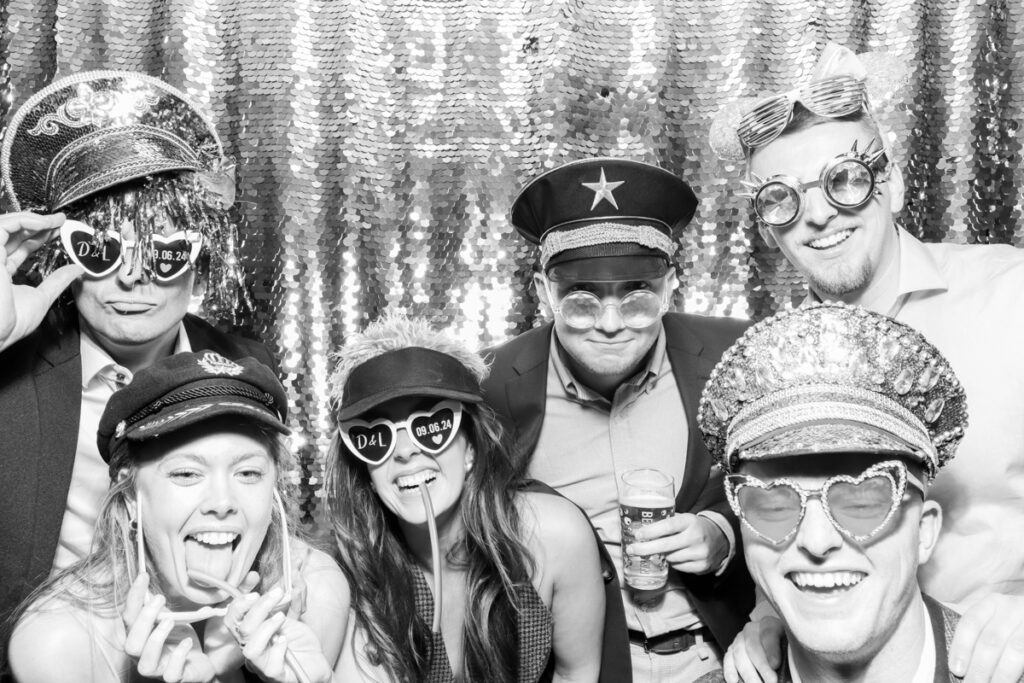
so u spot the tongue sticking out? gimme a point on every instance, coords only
(210, 558)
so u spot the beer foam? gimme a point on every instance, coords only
(647, 500)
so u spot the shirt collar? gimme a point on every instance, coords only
(917, 272)
(95, 360)
(642, 380)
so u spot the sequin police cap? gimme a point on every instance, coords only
(91, 131)
(832, 378)
(604, 218)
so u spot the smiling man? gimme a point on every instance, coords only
(612, 385)
(826, 191)
(831, 422)
(144, 177)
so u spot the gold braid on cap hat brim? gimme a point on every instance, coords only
(557, 241)
(827, 403)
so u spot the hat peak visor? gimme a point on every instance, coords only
(410, 371)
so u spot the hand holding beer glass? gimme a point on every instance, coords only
(646, 496)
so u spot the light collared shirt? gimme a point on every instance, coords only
(968, 300)
(101, 377)
(925, 672)
(587, 442)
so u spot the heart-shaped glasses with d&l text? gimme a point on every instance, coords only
(431, 431)
(173, 255)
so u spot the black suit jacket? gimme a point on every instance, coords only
(516, 390)
(40, 405)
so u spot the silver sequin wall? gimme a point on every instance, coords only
(381, 142)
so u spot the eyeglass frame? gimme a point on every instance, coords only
(899, 490)
(663, 306)
(127, 247)
(868, 159)
(457, 411)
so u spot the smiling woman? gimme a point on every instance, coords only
(488, 577)
(193, 574)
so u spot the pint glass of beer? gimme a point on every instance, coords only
(646, 496)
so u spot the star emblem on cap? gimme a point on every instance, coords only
(603, 190)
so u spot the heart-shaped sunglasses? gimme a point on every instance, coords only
(101, 253)
(431, 431)
(858, 507)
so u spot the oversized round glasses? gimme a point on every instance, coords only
(101, 253)
(431, 431)
(858, 507)
(848, 181)
(639, 309)
(831, 97)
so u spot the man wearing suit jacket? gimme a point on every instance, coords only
(144, 176)
(612, 385)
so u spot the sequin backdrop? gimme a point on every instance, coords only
(381, 142)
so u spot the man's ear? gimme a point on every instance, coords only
(896, 189)
(198, 287)
(929, 528)
(767, 235)
(539, 284)
(672, 279)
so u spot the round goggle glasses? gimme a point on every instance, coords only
(431, 430)
(100, 253)
(858, 507)
(639, 309)
(848, 182)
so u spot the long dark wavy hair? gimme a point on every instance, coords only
(378, 564)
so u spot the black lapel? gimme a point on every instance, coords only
(691, 371)
(943, 623)
(526, 391)
(58, 378)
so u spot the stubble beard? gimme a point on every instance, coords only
(841, 280)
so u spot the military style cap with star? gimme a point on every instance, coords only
(187, 388)
(604, 218)
(832, 378)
